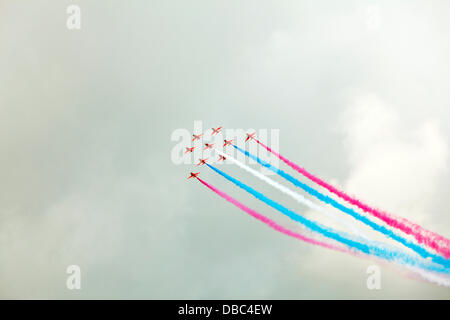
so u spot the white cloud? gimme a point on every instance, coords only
(393, 166)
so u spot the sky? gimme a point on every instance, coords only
(358, 91)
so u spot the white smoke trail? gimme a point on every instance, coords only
(441, 280)
(430, 276)
(298, 197)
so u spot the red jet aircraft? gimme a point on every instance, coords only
(209, 145)
(221, 158)
(227, 142)
(216, 130)
(189, 149)
(197, 136)
(250, 136)
(202, 161)
(193, 175)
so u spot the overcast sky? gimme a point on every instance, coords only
(359, 91)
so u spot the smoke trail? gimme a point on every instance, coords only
(417, 248)
(432, 240)
(298, 197)
(332, 234)
(432, 277)
(270, 222)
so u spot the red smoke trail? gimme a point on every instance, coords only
(272, 223)
(435, 241)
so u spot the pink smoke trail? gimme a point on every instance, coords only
(435, 241)
(272, 223)
(425, 275)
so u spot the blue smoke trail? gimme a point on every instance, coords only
(417, 248)
(330, 233)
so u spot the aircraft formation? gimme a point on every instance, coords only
(214, 131)
(428, 256)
